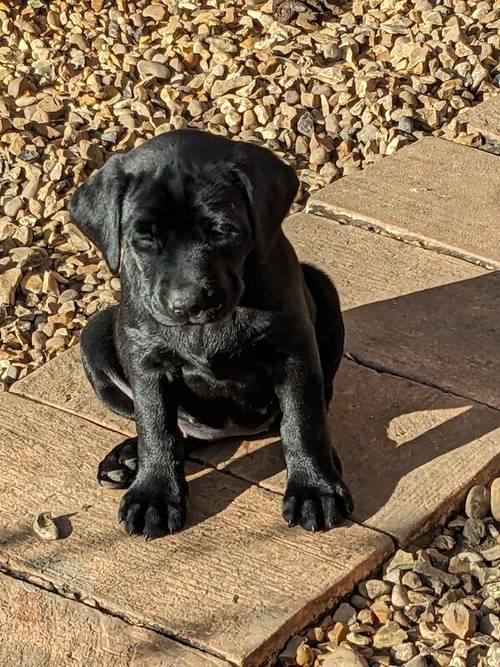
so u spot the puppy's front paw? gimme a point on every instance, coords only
(153, 507)
(318, 505)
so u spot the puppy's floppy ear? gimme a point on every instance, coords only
(96, 207)
(270, 187)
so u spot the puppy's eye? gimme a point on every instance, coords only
(224, 230)
(144, 241)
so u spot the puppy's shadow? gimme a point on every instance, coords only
(386, 428)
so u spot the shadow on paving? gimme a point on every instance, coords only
(448, 336)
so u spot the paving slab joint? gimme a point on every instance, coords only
(45, 585)
(318, 209)
(383, 369)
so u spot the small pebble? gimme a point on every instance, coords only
(411, 580)
(344, 657)
(304, 655)
(345, 614)
(374, 588)
(358, 639)
(306, 124)
(389, 635)
(459, 620)
(402, 653)
(405, 124)
(45, 527)
(477, 504)
(149, 68)
(399, 597)
(337, 634)
(474, 531)
(360, 602)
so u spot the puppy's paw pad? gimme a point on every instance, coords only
(117, 469)
(118, 476)
(151, 512)
(108, 484)
(130, 463)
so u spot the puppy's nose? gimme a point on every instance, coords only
(187, 301)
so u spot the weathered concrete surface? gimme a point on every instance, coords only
(434, 193)
(236, 582)
(42, 629)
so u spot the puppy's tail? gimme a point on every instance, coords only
(329, 324)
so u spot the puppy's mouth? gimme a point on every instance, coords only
(212, 314)
(215, 313)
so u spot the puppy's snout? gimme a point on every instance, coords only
(190, 302)
(187, 300)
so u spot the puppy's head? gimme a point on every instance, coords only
(179, 216)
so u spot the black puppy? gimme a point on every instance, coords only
(220, 331)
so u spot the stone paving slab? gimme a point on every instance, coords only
(41, 629)
(434, 193)
(485, 118)
(413, 312)
(236, 582)
(409, 452)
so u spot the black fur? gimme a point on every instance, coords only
(220, 331)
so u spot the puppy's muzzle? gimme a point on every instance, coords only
(191, 303)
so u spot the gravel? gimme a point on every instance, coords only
(436, 606)
(81, 80)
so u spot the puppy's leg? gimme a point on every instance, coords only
(155, 502)
(102, 365)
(316, 497)
(329, 328)
(106, 376)
(329, 325)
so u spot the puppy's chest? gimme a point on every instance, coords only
(231, 369)
(230, 363)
